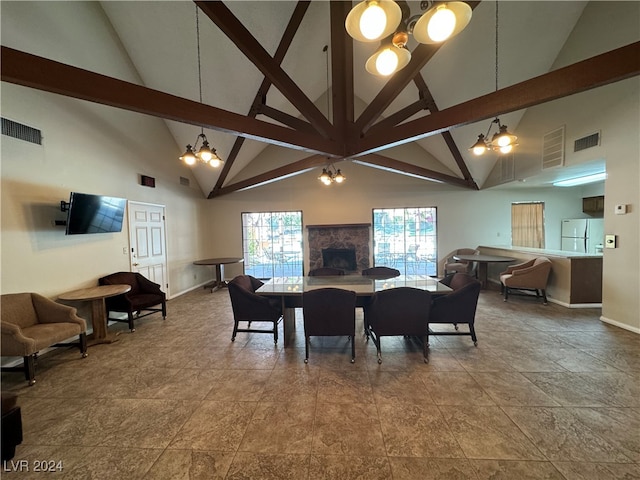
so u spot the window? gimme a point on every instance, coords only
(272, 244)
(527, 224)
(405, 238)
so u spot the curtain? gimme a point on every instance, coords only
(527, 224)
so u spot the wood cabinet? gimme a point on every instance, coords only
(593, 205)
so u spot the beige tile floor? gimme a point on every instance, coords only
(549, 393)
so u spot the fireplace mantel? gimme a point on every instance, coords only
(340, 225)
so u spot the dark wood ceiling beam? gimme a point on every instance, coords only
(399, 117)
(29, 70)
(448, 138)
(341, 69)
(594, 72)
(280, 173)
(286, 119)
(396, 84)
(391, 164)
(251, 48)
(285, 42)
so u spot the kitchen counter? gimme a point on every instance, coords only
(575, 280)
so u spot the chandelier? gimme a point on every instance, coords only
(390, 23)
(502, 141)
(328, 177)
(206, 154)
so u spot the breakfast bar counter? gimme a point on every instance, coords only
(575, 280)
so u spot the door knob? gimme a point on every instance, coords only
(136, 264)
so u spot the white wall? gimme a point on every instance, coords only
(87, 148)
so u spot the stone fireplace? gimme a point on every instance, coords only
(338, 244)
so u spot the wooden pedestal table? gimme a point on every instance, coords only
(96, 296)
(218, 262)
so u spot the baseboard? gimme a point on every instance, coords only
(620, 325)
(573, 305)
(187, 290)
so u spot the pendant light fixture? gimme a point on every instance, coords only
(206, 154)
(390, 22)
(502, 141)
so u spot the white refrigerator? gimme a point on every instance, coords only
(583, 235)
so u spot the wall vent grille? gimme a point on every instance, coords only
(589, 141)
(184, 181)
(553, 149)
(507, 168)
(21, 132)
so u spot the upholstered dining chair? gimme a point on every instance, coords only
(329, 312)
(31, 322)
(144, 296)
(460, 266)
(250, 307)
(325, 272)
(527, 276)
(381, 272)
(398, 311)
(457, 307)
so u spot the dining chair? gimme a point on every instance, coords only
(452, 265)
(325, 272)
(381, 272)
(398, 311)
(329, 312)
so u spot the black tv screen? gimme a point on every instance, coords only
(94, 214)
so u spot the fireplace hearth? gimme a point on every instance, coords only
(344, 258)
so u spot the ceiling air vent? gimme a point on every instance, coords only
(589, 141)
(184, 181)
(553, 149)
(21, 132)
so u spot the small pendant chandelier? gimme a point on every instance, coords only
(206, 154)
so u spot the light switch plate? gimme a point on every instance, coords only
(610, 241)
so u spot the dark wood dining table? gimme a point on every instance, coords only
(483, 261)
(217, 263)
(289, 290)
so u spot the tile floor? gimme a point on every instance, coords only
(549, 393)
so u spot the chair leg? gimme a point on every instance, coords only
(544, 296)
(131, 327)
(275, 332)
(425, 348)
(164, 310)
(235, 331)
(353, 348)
(83, 344)
(506, 293)
(306, 349)
(473, 335)
(30, 369)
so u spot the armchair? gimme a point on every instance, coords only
(249, 307)
(329, 312)
(31, 322)
(143, 296)
(398, 311)
(527, 276)
(460, 266)
(458, 306)
(381, 272)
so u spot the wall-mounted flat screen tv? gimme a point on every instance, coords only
(94, 214)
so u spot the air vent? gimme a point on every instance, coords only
(21, 132)
(507, 168)
(553, 149)
(184, 181)
(589, 141)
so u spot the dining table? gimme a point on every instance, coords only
(289, 290)
(218, 282)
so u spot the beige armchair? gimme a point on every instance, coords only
(528, 276)
(460, 266)
(31, 322)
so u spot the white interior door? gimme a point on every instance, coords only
(148, 249)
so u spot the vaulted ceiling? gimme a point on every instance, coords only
(283, 80)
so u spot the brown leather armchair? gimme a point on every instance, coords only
(398, 311)
(527, 276)
(458, 306)
(249, 307)
(329, 312)
(381, 272)
(460, 266)
(143, 297)
(325, 271)
(31, 322)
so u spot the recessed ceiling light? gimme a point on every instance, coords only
(572, 182)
